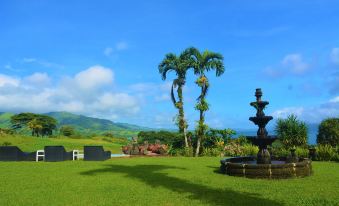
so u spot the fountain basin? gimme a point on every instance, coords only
(278, 169)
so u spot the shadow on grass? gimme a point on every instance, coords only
(154, 176)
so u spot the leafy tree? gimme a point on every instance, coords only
(20, 120)
(328, 132)
(35, 126)
(218, 135)
(67, 130)
(291, 131)
(202, 63)
(179, 65)
(39, 124)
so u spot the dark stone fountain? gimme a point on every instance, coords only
(262, 139)
(264, 165)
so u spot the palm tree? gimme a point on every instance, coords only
(179, 65)
(201, 63)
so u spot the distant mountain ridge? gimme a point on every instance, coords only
(84, 124)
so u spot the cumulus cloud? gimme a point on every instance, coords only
(295, 64)
(95, 76)
(291, 64)
(38, 78)
(163, 97)
(335, 56)
(8, 80)
(334, 100)
(84, 93)
(311, 114)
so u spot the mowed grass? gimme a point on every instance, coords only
(158, 181)
(31, 144)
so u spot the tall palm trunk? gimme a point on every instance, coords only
(182, 121)
(201, 126)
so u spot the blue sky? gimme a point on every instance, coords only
(100, 58)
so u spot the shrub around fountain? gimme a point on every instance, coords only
(291, 132)
(327, 153)
(328, 132)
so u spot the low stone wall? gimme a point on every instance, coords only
(237, 166)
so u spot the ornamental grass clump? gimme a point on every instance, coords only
(327, 153)
(291, 132)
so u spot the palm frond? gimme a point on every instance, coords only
(167, 64)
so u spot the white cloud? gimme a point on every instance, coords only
(162, 97)
(291, 64)
(85, 93)
(7, 80)
(162, 120)
(43, 63)
(29, 60)
(284, 112)
(335, 99)
(335, 56)
(120, 46)
(295, 64)
(151, 88)
(95, 76)
(38, 78)
(271, 72)
(313, 114)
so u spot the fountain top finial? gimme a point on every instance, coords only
(258, 94)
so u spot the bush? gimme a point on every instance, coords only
(211, 152)
(6, 131)
(279, 152)
(301, 152)
(326, 153)
(328, 132)
(217, 135)
(291, 132)
(249, 150)
(6, 143)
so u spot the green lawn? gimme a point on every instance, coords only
(157, 181)
(30, 144)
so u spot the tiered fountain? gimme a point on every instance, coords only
(264, 165)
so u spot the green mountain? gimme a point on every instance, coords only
(5, 119)
(85, 125)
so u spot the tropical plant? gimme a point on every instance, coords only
(179, 65)
(291, 131)
(328, 132)
(326, 152)
(203, 62)
(217, 135)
